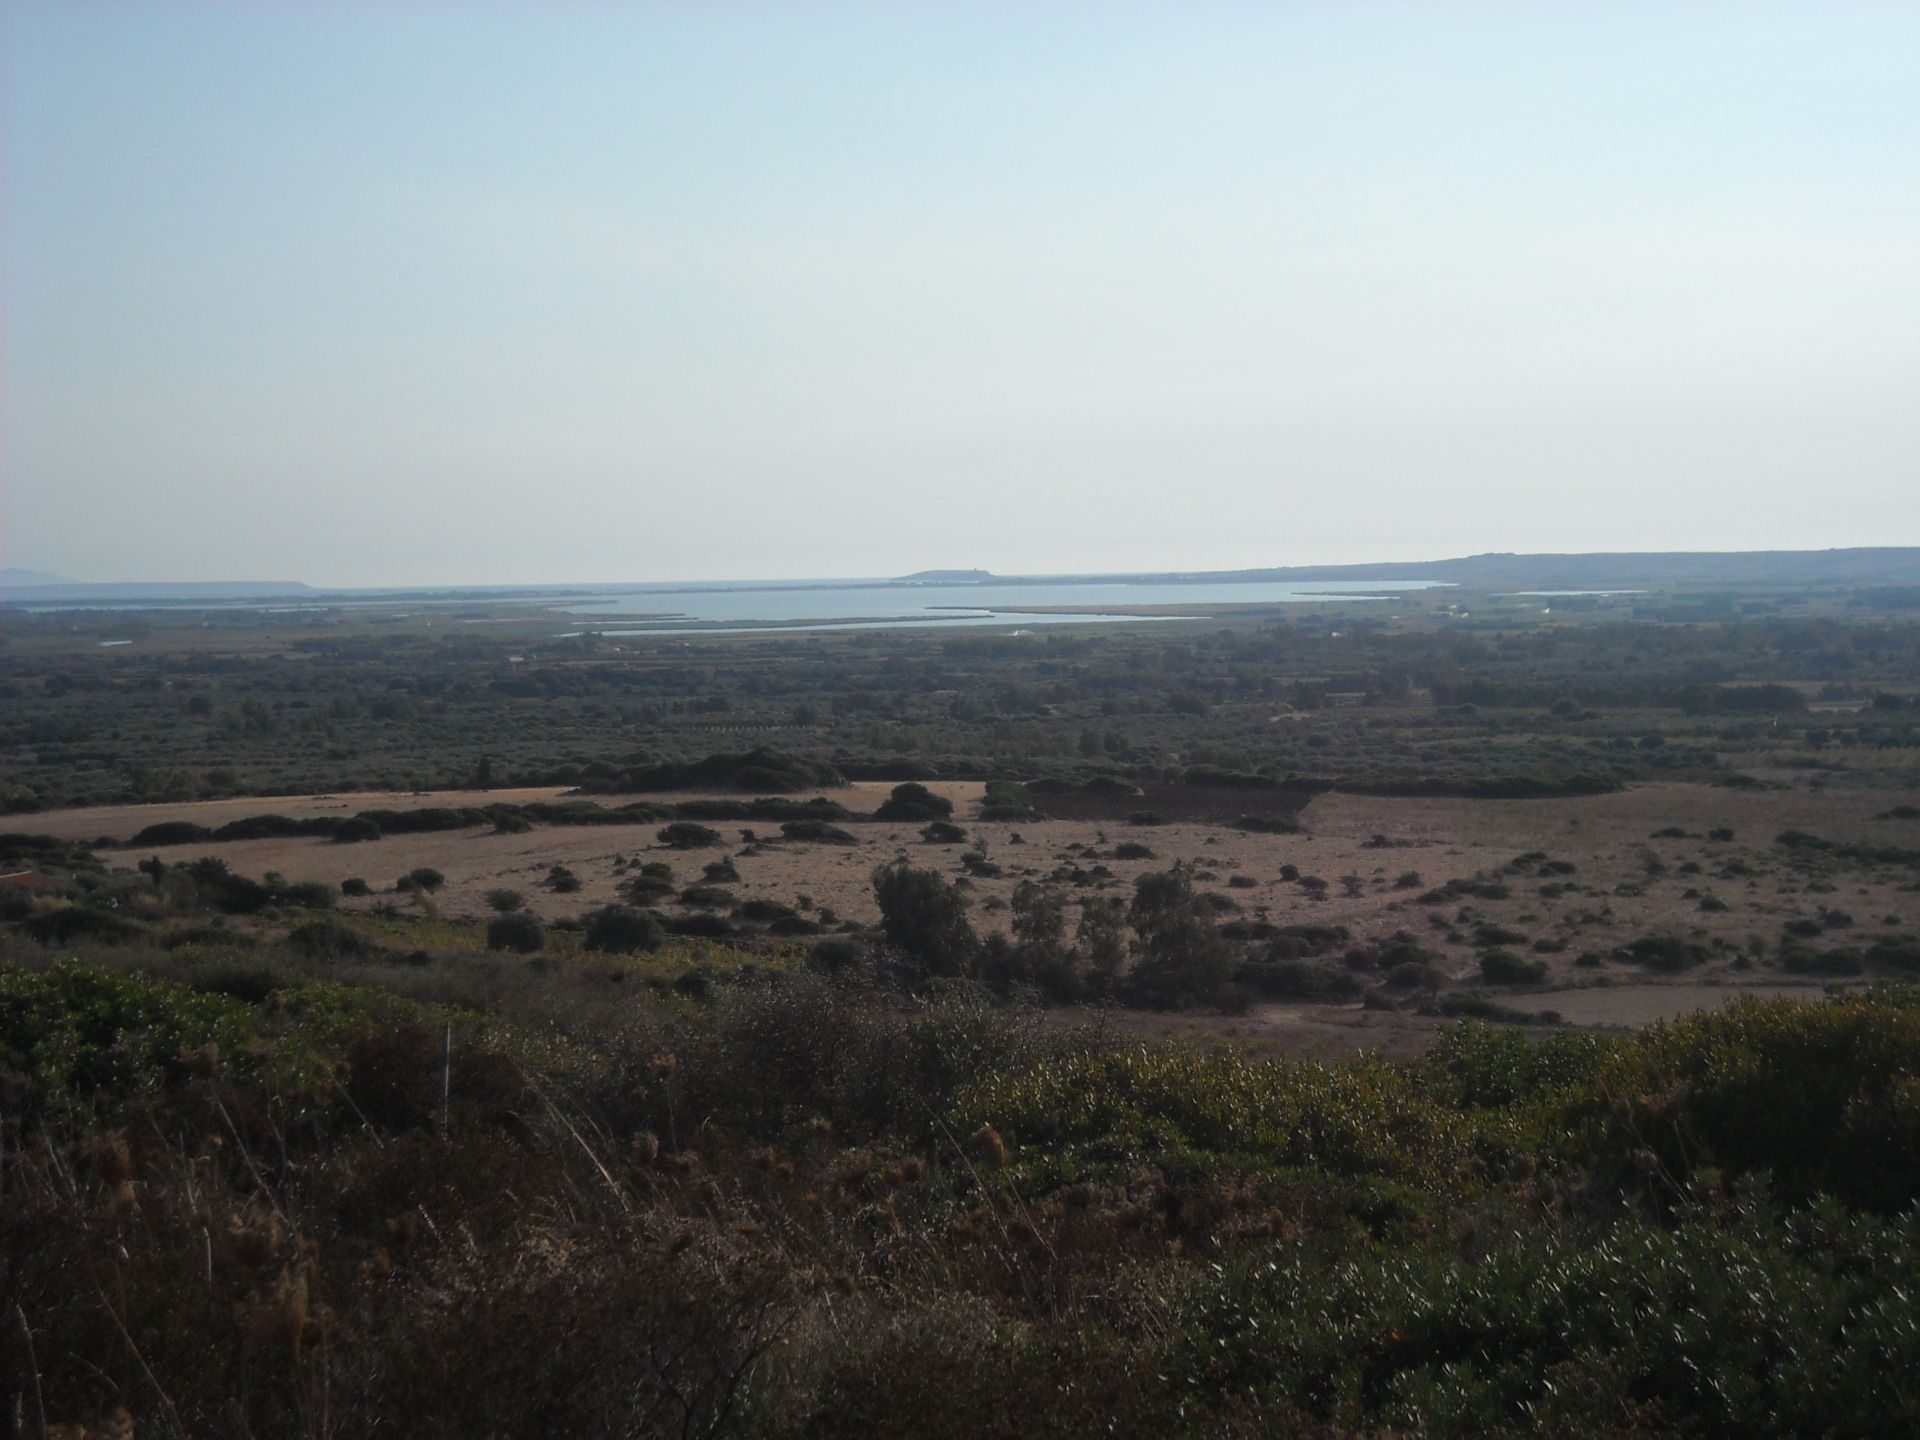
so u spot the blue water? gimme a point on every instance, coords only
(744, 610)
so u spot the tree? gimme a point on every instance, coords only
(1041, 954)
(924, 918)
(1183, 957)
(1101, 939)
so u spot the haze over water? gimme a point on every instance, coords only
(873, 606)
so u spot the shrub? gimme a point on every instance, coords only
(914, 802)
(81, 924)
(309, 895)
(518, 931)
(622, 930)
(330, 940)
(426, 878)
(1662, 952)
(686, 835)
(817, 832)
(170, 832)
(504, 901)
(645, 889)
(1820, 1096)
(836, 955)
(942, 832)
(355, 887)
(1503, 967)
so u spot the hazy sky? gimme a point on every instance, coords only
(457, 292)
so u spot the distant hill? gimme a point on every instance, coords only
(1597, 571)
(11, 575)
(949, 577)
(1623, 570)
(164, 592)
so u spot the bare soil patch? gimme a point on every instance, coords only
(1592, 874)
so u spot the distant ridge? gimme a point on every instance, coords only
(1603, 570)
(1599, 570)
(1628, 569)
(1879, 565)
(948, 577)
(162, 591)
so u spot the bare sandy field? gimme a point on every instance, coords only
(1624, 881)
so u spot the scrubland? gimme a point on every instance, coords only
(1241, 1029)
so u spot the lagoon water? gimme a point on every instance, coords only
(657, 610)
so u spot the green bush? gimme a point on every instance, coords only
(1728, 1322)
(622, 930)
(1822, 1097)
(1662, 952)
(817, 832)
(912, 803)
(685, 835)
(1503, 967)
(81, 925)
(519, 931)
(309, 895)
(82, 1035)
(924, 919)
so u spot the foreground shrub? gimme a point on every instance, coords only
(1734, 1322)
(1132, 1108)
(81, 924)
(1822, 1097)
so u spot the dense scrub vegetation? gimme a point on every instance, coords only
(1508, 702)
(688, 1159)
(286, 1170)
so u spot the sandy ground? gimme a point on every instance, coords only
(1608, 839)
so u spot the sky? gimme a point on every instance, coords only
(426, 292)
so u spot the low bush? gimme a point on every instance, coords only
(518, 931)
(1503, 967)
(622, 930)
